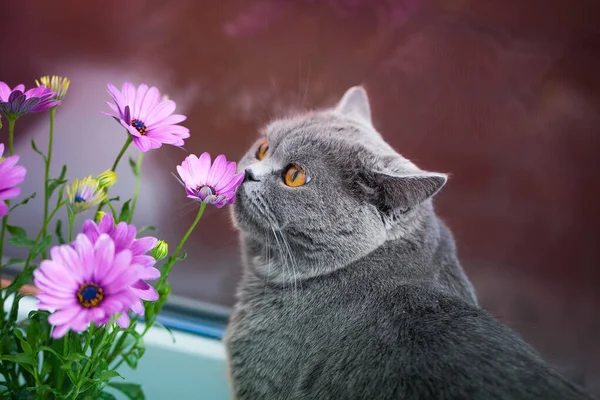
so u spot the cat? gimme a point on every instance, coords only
(352, 288)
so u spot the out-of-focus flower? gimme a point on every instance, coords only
(16, 102)
(10, 176)
(86, 282)
(147, 117)
(84, 193)
(212, 184)
(160, 251)
(58, 84)
(124, 238)
(107, 179)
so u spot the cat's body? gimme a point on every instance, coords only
(352, 288)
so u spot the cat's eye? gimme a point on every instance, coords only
(295, 176)
(263, 149)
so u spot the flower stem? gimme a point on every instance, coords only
(138, 180)
(71, 216)
(120, 155)
(167, 268)
(47, 171)
(11, 135)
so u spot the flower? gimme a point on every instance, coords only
(87, 282)
(107, 179)
(160, 251)
(84, 194)
(10, 176)
(214, 184)
(57, 84)
(124, 238)
(16, 102)
(147, 117)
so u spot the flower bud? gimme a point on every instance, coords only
(99, 216)
(57, 84)
(107, 179)
(160, 251)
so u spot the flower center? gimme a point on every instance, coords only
(213, 192)
(79, 199)
(90, 295)
(139, 126)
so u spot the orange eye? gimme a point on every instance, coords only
(263, 149)
(295, 176)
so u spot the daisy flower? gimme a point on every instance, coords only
(147, 117)
(84, 193)
(10, 176)
(86, 282)
(16, 102)
(212, 184)
(57, 84)
(124, 238)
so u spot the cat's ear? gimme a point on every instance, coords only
(355, 103)
(390, 191)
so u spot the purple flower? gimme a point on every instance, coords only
(16, 102)
(10, 176)
(214, 184)
(147, 117)
(86, 282)
(123, 236)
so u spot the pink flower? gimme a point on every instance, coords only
(10, 177)
(123, 236)
(214, 184)
(147, 117)
(16, 102)
(87, 282)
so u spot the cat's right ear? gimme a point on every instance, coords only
(389, 190)
(355, 103)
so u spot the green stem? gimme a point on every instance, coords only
(47, 170)
(138, 181)
(120, 155)
(71, 216)
(167, 267)
(11, 135)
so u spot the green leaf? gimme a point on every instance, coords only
(108, 375)
(125, 212)
(41, 246)
(59, 233)
(134, 167)
(133, 391)
(181, 257)
(23, 202)
(106, 396)
(167, 329)
(34, 147)
(13, 261)
(54, 183)
(146, 228)
(51, 350)
(20, 358)
(19, 236)
(118, 198)
(24, 344)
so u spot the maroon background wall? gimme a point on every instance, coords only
(502, 94)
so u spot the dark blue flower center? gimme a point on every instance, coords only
(139, 126)
(79, 199)
(90, 295)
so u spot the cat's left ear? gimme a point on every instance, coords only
(355, 103)
(390, 191)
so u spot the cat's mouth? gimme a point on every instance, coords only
(247, 214)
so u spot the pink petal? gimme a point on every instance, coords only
(138, 101)
(123, 321)
(62, 317)
(107, 223)
(90, 229)
(151, 99)
(142, 143)
(216, 171)
(160, 111)
(143, 245)
(60, 331)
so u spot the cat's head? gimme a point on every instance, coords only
(324, 189)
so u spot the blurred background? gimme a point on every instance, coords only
(502, 94)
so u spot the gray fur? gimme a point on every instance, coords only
(352, 288)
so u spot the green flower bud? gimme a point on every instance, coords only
(107, 179)
(160, 251)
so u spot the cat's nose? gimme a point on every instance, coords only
(249, 176)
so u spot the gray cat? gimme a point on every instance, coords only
(352, 287)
